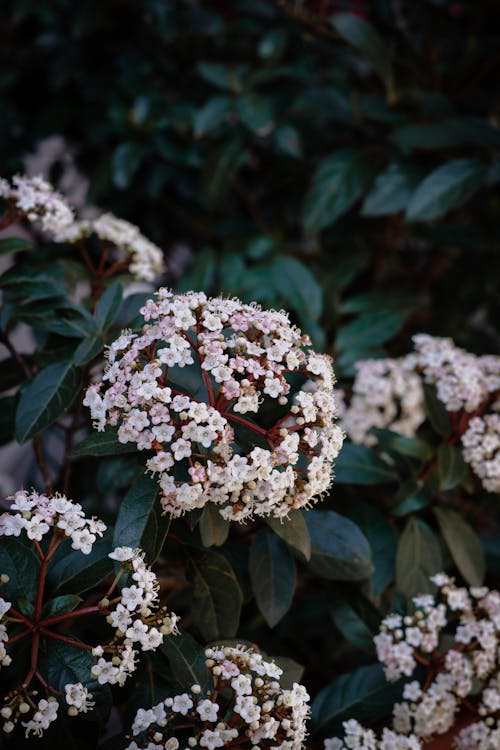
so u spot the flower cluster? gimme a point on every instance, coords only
(481, 449)
(357, 737)
(146, 257)
(238, 360)
(462, 380)
(245, 703)
(38, 515)
(39, 202)
(136, 618)
(387, 393)
(463, 671)
(139, 623)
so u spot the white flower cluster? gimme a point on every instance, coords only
(244, 361)
(387, 393)
(246, 704)
(357, 737)
(38, 201)
(36, 515)
(5, 659)
(463, 671)
(44, 713)
(481, 449)
(136, 617)
(78, 698)
(462, 380)
(146, 257)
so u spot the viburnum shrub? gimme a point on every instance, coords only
(205, 432)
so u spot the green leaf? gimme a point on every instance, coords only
(383, 542)
(62, 664)
(102, 444)
(46, 398)
(109, 306)
(117, 472)
(370, 329)
(61, 604)
(217, 598)
(413, 447)
(298, 286)
(256, 113)
(272, 573)
(418, 557)
(140, 521)
(464, 545)
(339, 549)
(186, 660)
(221, 171)
(75, 573)
(363, 694)
(88, 349)
(212, 115)
(292, 671)
(125, 161)
(14, 245)
(451, 466)
(391, 191)
(436, 411)
(366, 40)
(337, 184)
(288, 141)
(446, 187)
(214, 529)
(357, 619)
(223, 76)
(293, 530)
(359, 464)
(19, 562)
(413, 495)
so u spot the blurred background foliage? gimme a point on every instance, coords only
(335, 158)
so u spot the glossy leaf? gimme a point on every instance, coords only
(109, 306)
(214, 529)
(359, 464)
(272, 573)
(293, 530)
(216, 600)
(337, 184)
(104, 443)
(391, 191)
(20, 563)
(339, 549)
(418, 557)
(46, 398)
(464, 545)
(445, 188)
(140, 521)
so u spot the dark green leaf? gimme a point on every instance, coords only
(413, 447)
(214, 529)
(293, 530)
(217, 598)
(359, 464)
(102, 444)
(19, 562)
(370, 329)
(464, 545)
(7, 418)
(14, 245)
(186, 660)
(446, 187)
(383, 542)
(418, 557)
(108, 306)
(272, 573)
(391, 191)
(88, 349)
(364, 38)
(339, 549)
(125, 161)
(61, 604)
(436, 411)
(337, 184)
(46, 398)
(451, 466)
(141, 522)
(298, 286)
(212, 115)
(363, 694)
(256, 112)
(75, 573)
(357, 619)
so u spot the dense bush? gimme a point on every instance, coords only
(336, 160)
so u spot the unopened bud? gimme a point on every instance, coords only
(24, 707)
(72, 711)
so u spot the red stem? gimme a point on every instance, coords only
(69, 615)
(58, 637)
